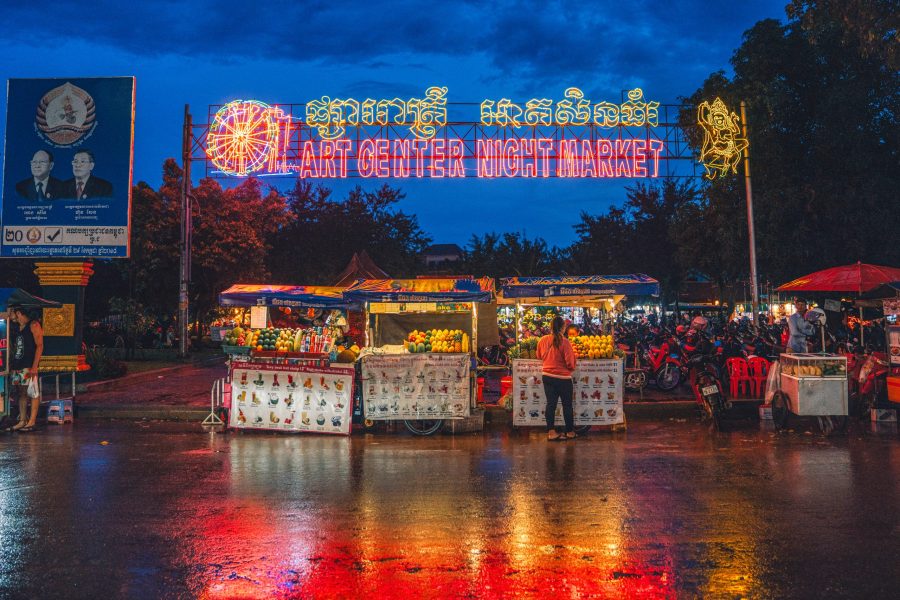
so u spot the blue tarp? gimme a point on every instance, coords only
(572, 286)
(293, 296)
(19, 297)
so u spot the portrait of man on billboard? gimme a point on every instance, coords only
(84, 185)
(41, 186)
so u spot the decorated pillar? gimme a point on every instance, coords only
(63, 282)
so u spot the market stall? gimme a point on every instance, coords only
(13, 297)
(812, 385)
(283, 368)
(420, 336)
(598, 379)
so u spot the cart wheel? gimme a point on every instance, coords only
(423, 426)
(635, 380)
(833, 425)
(780, 409)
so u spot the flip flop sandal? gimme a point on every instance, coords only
(26, 429)
(571, 435)
(555, 438)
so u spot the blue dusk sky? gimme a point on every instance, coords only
(201, 52)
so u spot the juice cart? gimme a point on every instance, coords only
(420, 339)
(13, 297)
(280, 371)
(598, 378)
(812, 385)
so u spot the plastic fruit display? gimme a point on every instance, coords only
(437, 340)
(593, 346)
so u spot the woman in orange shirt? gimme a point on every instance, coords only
(559, 364)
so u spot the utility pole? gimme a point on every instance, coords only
(751, 235)
(185, 264)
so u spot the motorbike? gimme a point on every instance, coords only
(708, 389)
(870, 383)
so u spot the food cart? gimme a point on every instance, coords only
(598, 379)
(283, 379)
(14, 297)
(812, 385)
(420, 338)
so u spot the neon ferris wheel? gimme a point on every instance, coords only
(243, 137)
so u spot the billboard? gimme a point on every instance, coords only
(67, 168)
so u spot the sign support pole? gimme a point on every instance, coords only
(185, 264)
(751, 234)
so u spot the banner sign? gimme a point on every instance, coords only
(292, 398)
(416, 386)
(67, 168)
(636, 284)
(571, 136)
(599, 393)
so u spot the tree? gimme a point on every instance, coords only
(509, 254)
(602, 244)
(233, 232)
(822, 103)
(326, 233)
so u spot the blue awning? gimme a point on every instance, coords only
(573, 286)
(421, 290)
(292, 296)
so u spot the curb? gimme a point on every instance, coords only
(111, 385)
(139, 412)
(494, 416)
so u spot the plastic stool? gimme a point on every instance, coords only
(60, 411)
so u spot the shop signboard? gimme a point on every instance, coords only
(297, 398)
(416, 386)
(599, 393)
(67, 168)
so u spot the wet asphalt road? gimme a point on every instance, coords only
(664, 510)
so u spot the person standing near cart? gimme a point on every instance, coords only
(558, 365)
(799, 328)
(25, 356)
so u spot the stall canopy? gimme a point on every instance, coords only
(421, 290)
(573, 289)
(858, 278)
(361, 266)
(295, 296)
(18, 297)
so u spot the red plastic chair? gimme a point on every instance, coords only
(759, 372)
(739, 377)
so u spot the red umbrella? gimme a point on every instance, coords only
(857, 278)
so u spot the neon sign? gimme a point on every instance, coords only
(412, 137)
(723, 142)
(242, 137)
(330, 118)
(575, 110)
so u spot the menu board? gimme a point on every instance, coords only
(291, 398)
(416, 386)
(598, 387)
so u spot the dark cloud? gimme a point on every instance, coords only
(544, 39)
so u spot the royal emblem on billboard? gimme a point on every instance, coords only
(66, 116)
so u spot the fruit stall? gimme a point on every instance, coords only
(420, 336)
(598, 378)
(290, 364)
(812, 385)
